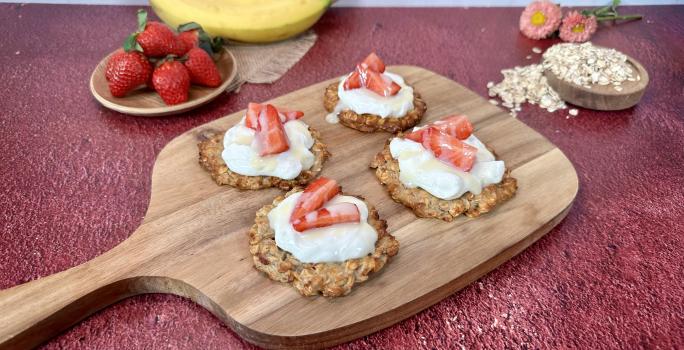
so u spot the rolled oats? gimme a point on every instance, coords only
(586, 64)
(526, 84)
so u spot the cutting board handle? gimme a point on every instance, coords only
(33, 312)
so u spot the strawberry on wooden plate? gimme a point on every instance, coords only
(270, 133)
(456, 125)
(202, 69)
(314, 197)
(334, 214)
(126, 71)
(171, 80)
(155, 39)
(445, 147)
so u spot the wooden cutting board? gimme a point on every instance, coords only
(193, 240)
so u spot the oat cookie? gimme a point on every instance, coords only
(328, 279)
(426, 205)
(211, 160)
(372, 122)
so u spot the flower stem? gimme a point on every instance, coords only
(618, 18)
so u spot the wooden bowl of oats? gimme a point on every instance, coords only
(595, 77)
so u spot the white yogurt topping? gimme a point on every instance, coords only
(418, 167)
(241, 152)
(362, 100)
(334, 243)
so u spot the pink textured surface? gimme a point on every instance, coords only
(76, 179)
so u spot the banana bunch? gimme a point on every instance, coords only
(255, 21)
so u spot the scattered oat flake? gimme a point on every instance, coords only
(526, 84)
(573, 112)
(529, 57)
(493, 101)
(490, 84)
(536, 50)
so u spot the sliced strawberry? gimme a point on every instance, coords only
(449, 149)
(380, 84)
(270, 133)
(456, 125)
(331, 215)
(416, 136)
(373, 62)
(314, 196)
(290, 115)
(353, 81)
(253, 110)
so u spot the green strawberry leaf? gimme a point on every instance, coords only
(206, 47)
(189, 26)
(131, 43)
(142, 20)
(217, 44)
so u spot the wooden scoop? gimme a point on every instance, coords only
(193, 241)
(602, 97)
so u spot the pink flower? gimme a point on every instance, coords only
(540, 19)
(577, 28)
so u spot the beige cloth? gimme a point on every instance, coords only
(266, 63)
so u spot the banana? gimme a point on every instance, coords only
(255, 21)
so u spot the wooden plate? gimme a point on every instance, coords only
(602, 97)
(193, 240)
(147, 103)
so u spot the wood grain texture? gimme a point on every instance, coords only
(147, 103)
(193, 241)
(602, 97)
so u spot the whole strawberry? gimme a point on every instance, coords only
(202, 68)
(192, 35)
(172, 82)
(111, 63)
(127, 71)
(189, 39)
(156, 39)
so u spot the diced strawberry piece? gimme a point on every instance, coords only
(252, 117)
(380, 84)
(416, 136)
(314, 196)
(270, 133)
(456, 125)
(290, 115)
(449, 149)
(373, 62)
(353, 81)
(331, 215)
